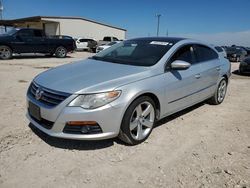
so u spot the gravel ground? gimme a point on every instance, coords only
(203, 146)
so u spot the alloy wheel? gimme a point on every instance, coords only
(5, 52)
(222, 90)
(142, 121)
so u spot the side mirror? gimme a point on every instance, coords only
(180, 65)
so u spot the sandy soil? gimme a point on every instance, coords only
(203, 146)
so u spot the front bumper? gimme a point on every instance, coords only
(108, 117)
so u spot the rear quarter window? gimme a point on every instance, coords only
(204, 53)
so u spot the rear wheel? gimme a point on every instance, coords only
(138, 121)
(61, 52)
(220, 93)
(5, 52)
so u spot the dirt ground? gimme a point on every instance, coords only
(203, 146)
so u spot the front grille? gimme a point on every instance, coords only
(49, 97)
(43, 122)
(88, 129)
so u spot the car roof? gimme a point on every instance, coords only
(162, 39)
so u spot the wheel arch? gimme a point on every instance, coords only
(153, 97)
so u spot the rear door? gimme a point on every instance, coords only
(182, 86)
(30, 41)
(210, 69)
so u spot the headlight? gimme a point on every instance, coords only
(93, 101)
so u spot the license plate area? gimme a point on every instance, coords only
(34, 111)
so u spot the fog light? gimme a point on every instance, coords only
(85, 129)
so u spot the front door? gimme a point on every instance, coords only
(182, 86)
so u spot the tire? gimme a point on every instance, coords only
(220, 93)
(138, 121)
(61, 52)
(5, 52)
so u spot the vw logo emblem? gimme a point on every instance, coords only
(39, 93)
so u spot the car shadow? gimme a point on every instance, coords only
(178, 114)
(73, 144)
(34, 56)
(236, 72)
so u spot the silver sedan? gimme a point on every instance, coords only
(123, 90)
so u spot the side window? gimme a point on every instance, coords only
(83, 40)
(26, 33)
(115, 39)
(204, 53)
(184, 54)
(38, 33)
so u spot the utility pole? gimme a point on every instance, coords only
(158, 23)
(1, 9)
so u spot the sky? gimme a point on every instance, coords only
(224, 22)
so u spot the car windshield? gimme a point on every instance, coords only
(11, 32)
(135, 52)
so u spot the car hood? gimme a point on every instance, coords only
(5, 37)
(90, 76)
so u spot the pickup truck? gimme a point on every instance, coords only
(27, 40)
(107, 40)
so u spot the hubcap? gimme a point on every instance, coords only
(222, 90)
(142, 121)
(4, 52)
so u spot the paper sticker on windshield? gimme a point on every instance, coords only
(160, 43)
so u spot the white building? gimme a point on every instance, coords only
(72, 26)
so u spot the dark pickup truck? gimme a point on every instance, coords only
(27, 40)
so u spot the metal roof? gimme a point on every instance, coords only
(39, 18)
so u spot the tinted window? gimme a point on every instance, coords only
(107, 39)
(115, 39)
(204, 53)
(83, 40)
(26, 33)
(184, 54)
(38, 33)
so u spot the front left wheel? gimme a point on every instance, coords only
(138, 121)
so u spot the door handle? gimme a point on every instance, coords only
(218, 68)
(197, 76)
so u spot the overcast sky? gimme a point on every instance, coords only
(223, 22)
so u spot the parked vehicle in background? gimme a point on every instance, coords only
(61, 36)
(221, 51)
(247, 50)
(123, 90)
(236, 54)
(107, 40)
(86, 44)
(244, 66)
(33, 41)
(103, 47)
